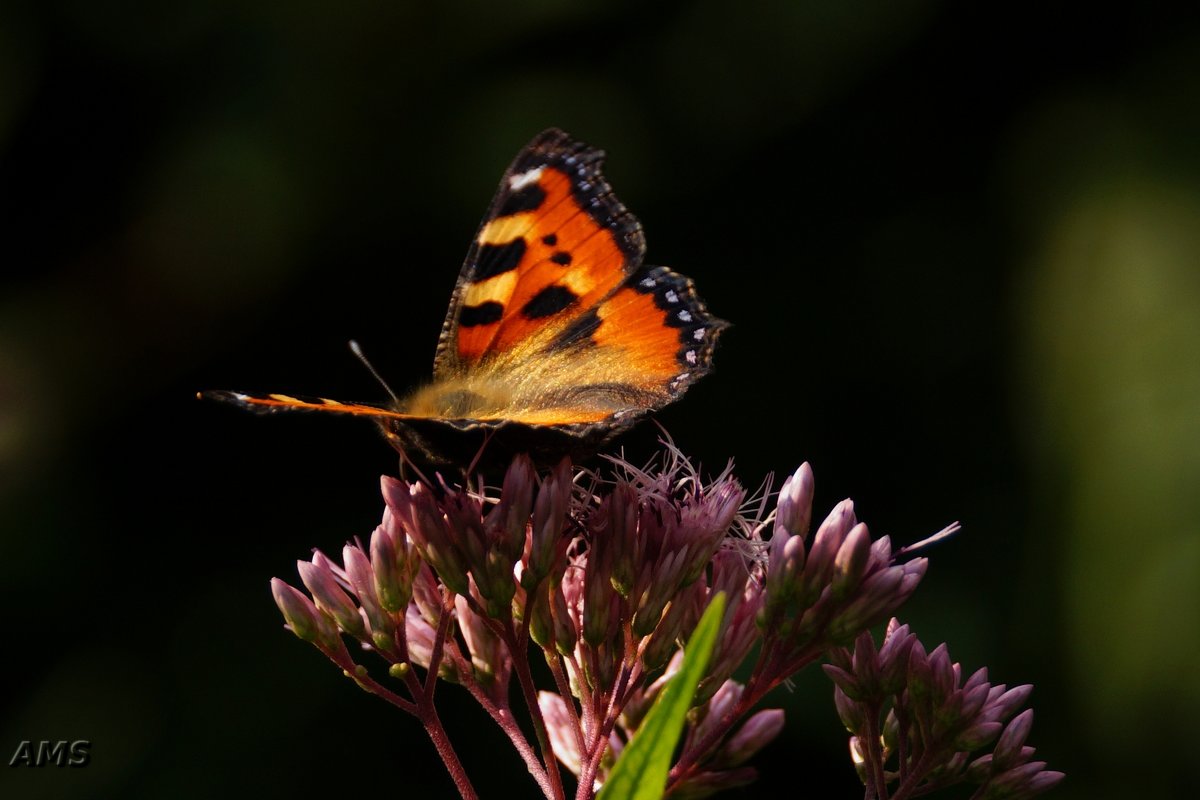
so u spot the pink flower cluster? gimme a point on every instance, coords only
(604, 578)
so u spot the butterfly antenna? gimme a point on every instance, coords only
(361, 356)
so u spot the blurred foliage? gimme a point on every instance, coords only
(957, 241)
(1113, 380)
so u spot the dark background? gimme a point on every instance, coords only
(958, 243)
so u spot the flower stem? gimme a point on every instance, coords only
(563, 684)
(517, 647)
(424, 710)
(908, 786)
(433, 726)
(875, 776)
(439, 645)
(504, 720)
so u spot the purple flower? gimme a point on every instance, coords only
(606, 574)
(917, 724)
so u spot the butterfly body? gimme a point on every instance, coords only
(558, 337)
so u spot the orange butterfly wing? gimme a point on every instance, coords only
(554, 322)
(554, 309)
(554, 243)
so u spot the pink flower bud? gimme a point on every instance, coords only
(849, 711)
(362, 578)
(391, 585)
(1007, 752)
(825, 545)
(977, 735)
(1002, 707)
(851, 561)
(549, 522)
(508, 521)
(330, 597)
(302, 616)
(793, 511)
(754, 734)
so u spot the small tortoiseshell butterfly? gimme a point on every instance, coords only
(558, 337)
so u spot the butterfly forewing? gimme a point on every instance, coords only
(554, 243)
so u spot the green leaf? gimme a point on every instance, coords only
(641, 771)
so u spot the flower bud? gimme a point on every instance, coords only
(894, 657)
(849, 712)
(859, 758)
(541, 621)
(489, 656)
(941, 672)
(851, 561)
(438, 545)
(843, 681)
(793, 510)
(1003, 706)
(362, 578)
(785, 565)
(1007, 752)
(891, 731)
(549, 521)
(1043, 781)
(1021, 782)
(877, 597)
(754, 734)
(974, 696)
(675, 625)
(302, 616)
(565, 631)
(463, 516)
(866, 665)
(826, 543)
(977, 736)
(330, 597)
(508, 521)
(391, 584)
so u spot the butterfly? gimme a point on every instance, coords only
(558, 337)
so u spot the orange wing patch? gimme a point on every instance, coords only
(660, 328)
(554, 243)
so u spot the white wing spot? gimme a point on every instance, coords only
(647, 283)
(519, 182)
(685, 315)
(671, 296)
(698, 334)
(690, 357)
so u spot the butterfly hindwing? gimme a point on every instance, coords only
(269, 403)
(554, 243)
(649, 340)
